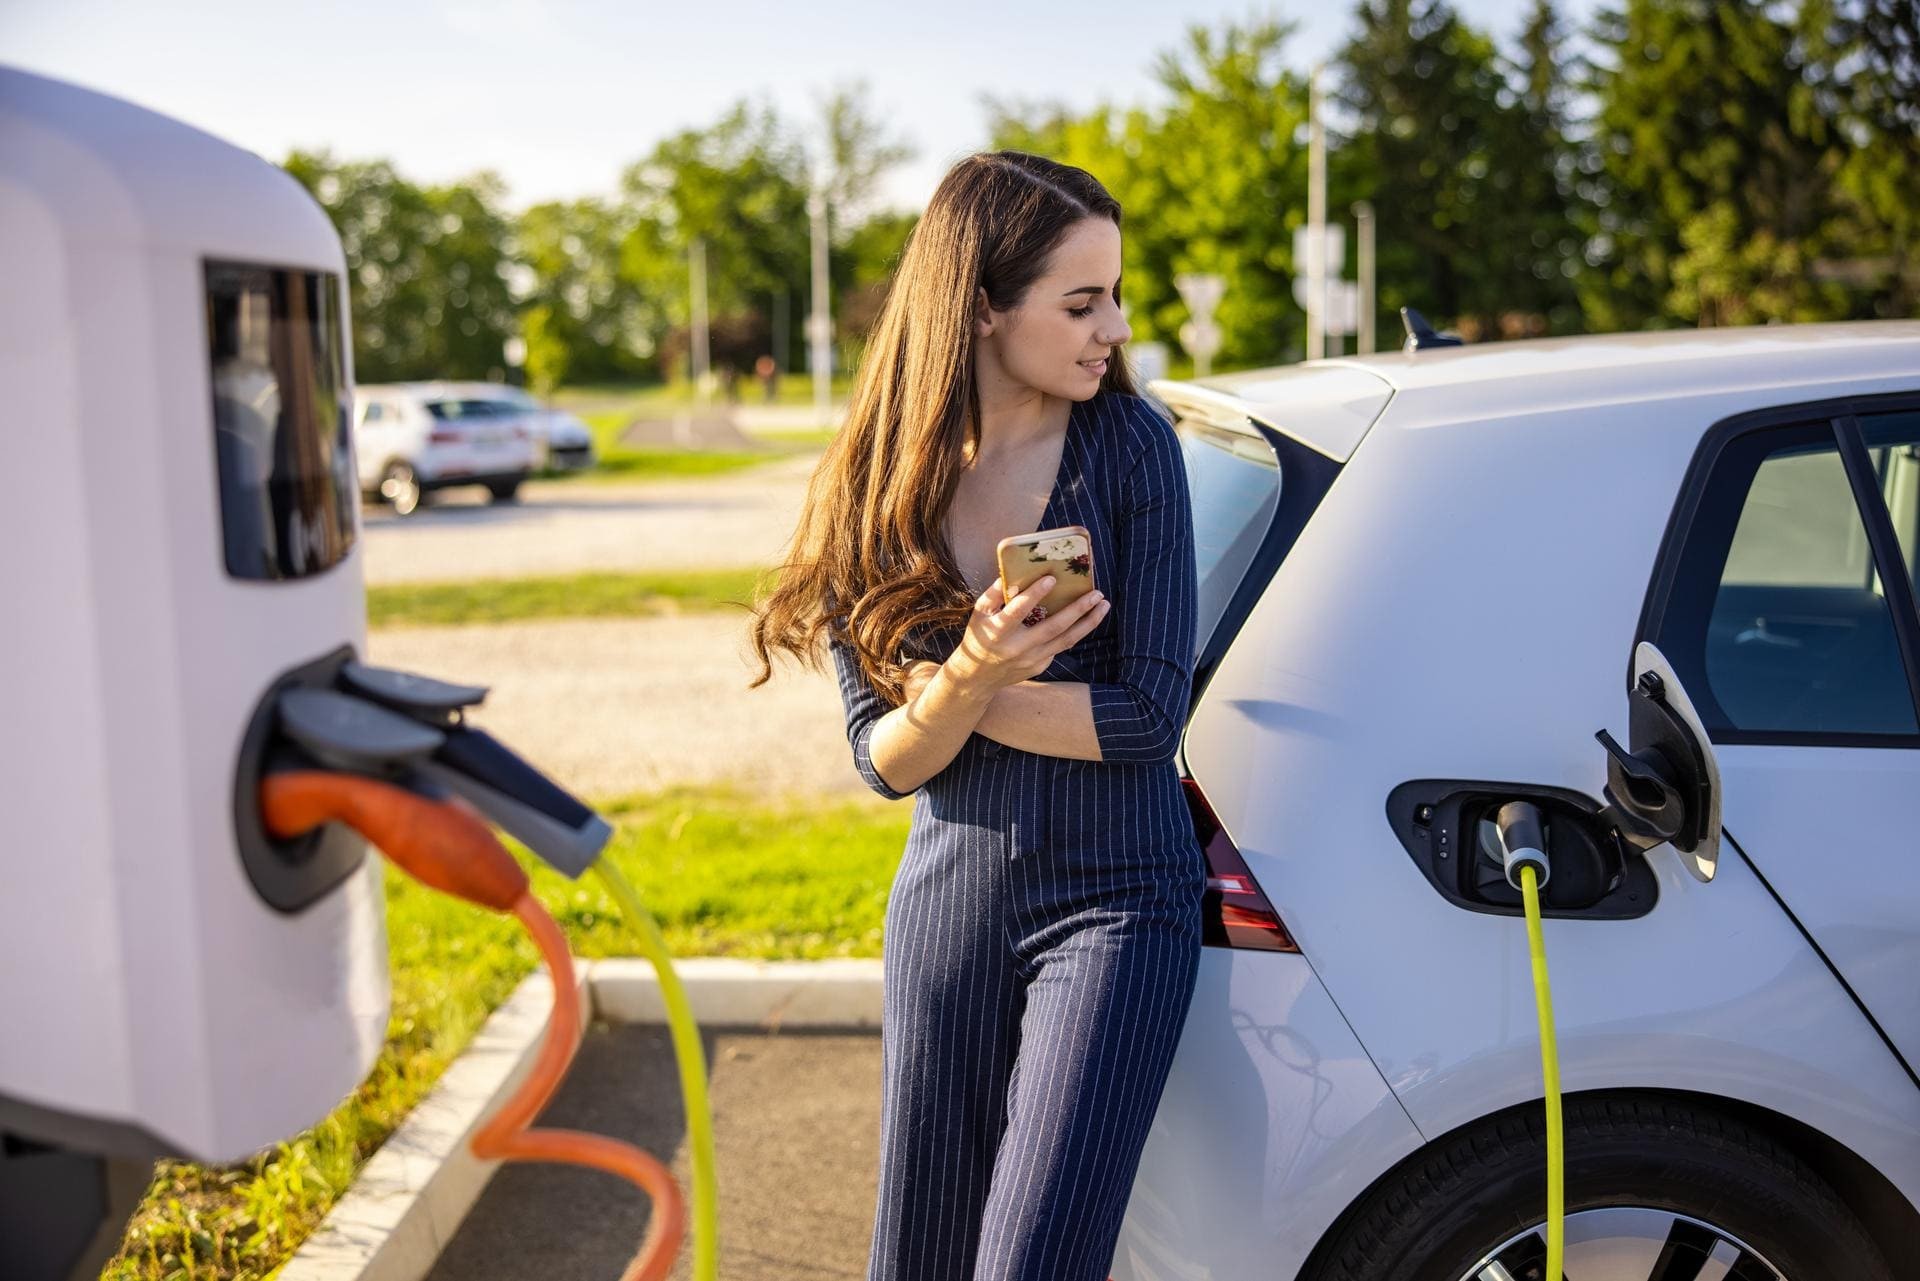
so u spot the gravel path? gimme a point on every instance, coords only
(564, 526)
(613, 706)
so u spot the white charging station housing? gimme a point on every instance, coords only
(181, 530)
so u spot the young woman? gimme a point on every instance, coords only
(1043, 931)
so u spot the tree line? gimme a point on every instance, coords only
(1673, 162)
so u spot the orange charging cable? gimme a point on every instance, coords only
(448, 846)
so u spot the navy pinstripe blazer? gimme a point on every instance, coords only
(1122, 476)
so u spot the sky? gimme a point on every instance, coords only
(558, 98)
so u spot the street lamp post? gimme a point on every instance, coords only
(702, 356)
(1363, 225)
(1201, 291)
(820, 323)
(1316, 221)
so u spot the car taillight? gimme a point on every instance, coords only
(1235, 912)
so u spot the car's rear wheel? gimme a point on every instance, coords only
(504, 491)
(400, 487)
(1657, 1190)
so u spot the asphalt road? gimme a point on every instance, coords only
(796, 1134)
(742, 518)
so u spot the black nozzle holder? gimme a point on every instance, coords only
(542, 815)
(423, 698)
(1523, 841)
(437, 753)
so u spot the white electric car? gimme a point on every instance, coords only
(1428, 580)
(412, 439)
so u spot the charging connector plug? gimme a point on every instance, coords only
(1523, 841)
(1523, 851)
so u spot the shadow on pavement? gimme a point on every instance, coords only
(796, 1132)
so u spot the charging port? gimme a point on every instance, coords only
(1449, 827)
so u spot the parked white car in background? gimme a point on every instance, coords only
(412, 439)
(561, 441)
(1426, 580)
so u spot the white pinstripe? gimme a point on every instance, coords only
(1043, 932)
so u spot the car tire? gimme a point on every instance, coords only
(1708, 1180)
(402, 490)
(505, 491)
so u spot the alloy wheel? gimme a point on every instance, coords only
(1629, 1243)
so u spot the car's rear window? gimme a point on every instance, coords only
(1235, 483)
(458, 409)
(1253, 489)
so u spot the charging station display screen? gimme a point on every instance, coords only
(281, 418)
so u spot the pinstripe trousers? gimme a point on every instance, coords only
(1032, 1006)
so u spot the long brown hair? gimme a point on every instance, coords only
(870, 557)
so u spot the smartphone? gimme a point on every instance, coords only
(1066, 553)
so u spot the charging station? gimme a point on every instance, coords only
(181, 538)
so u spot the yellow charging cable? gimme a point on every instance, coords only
(1550, 1067)
(693, 1069)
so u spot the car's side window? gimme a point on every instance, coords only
(1778, 620)
(374, 411)
(1893, 443)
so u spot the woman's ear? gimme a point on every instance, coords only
(982, 314)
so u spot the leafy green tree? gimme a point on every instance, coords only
(469, 253)
(859, 149)
(1221, 174)
(586, 319)
(1870, 52)
(1213, 181)
(739, 187)
(1720, 174)
(867, 262)
(1550, 168)
(872, 249)
(1464, 168)
(427, 268)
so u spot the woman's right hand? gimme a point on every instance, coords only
(998, 650)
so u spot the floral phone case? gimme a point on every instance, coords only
(1066, 553)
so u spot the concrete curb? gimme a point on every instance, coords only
(409, 1200)
(726, 992)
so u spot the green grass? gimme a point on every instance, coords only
(724, 873)
(627, 465)
(664, 398)
(607, 409)
(808, 441)
(585, 595)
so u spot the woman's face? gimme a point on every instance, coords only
(1058, 338)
